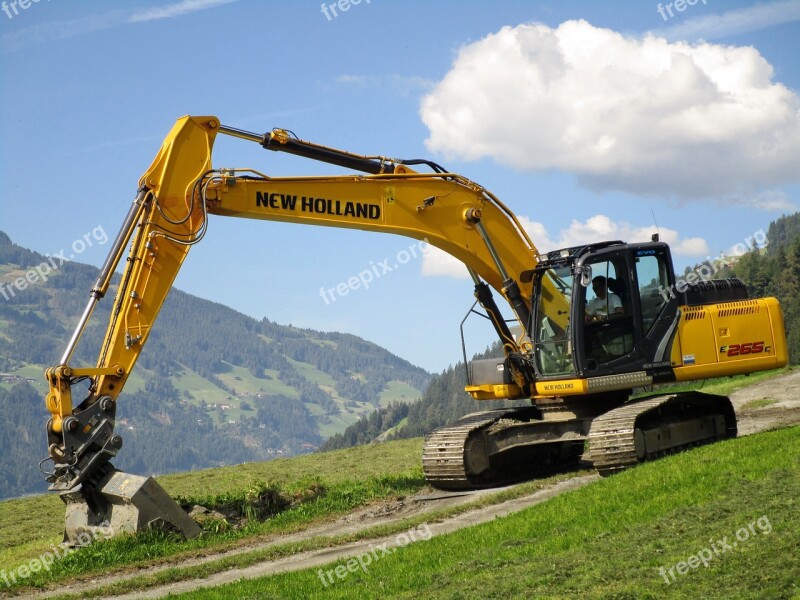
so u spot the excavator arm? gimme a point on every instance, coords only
(170, 213)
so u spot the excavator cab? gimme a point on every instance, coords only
(613, 311)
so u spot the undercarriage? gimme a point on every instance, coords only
(490, 448)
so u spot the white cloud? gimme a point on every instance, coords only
(60, 30)
(598, 228)
(436, 263)
(734, 22)
(771, 200)
(178, 9)
(643, 116)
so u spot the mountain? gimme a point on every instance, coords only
(444, 401)
(209, 378)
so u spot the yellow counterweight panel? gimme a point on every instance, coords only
(730, 338)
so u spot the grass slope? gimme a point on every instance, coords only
(608, 540)
(30, 527)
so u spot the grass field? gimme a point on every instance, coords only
(398, 391)
(32, 526)
(721, 521)
(311, 373)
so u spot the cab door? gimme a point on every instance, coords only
(658, 308)
(607, 313)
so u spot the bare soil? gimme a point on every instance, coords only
(755, 411)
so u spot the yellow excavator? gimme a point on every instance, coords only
(592, 323)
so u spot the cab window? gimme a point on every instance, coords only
(653, 281)
(551, 329)
(608, 322)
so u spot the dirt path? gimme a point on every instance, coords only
(785, 411)
(766, 405)
(367, 550)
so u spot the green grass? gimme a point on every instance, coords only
(359, 463)
(606, 540)
(34, 372)
(312, 373)
(282, 550)
(759, 403)
(201, 389)
(337, 424)
(352, 477)
(242, 380)
(29, 527)
(399, 391)
(155, 547)
(403, 422)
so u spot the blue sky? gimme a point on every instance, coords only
(588, 119)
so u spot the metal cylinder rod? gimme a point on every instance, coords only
(107, 271)
(492, 250)
(279, 141)
(241, 133)
(87, 312)
(510, 286)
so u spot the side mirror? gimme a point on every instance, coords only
(586, 275)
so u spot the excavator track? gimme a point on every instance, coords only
(490, 448)
(444, 456)
(652, 427)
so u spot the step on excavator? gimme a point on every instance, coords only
(593, 323)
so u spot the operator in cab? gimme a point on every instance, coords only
(604, 303)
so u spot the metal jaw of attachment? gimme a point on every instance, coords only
(120, 503)
(89, 442)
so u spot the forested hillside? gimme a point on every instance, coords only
(443, 402)
(775, 271)
(211, 387)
